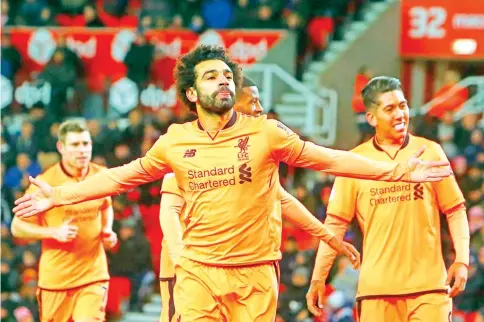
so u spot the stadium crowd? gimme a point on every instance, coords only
(28, 145)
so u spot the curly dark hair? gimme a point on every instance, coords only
(184, 72)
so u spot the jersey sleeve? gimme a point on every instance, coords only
(151, 167)
(285, 145)
(170, 185)
(343, 198)
(447, 191)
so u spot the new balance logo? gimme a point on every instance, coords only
(190, 153)
(418, 191)
(245, 173)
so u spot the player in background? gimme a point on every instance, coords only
(226, 165)
(172, 222)
(403, 276)
(73, 271)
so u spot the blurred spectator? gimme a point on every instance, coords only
(295, 14)
(475, 147)
(245, 13)
(307, 199)
(345, 280)
(17, 176)
(188, 15)
(138, 60)
(72, 7)
(90, 17)
(8, 148)
(133, 134)
(61, 75)
(6, 203)
(159, 12)
(446, 134)
(131, 258)
(293, 300)
(48, 142)
(7, 17)
(26, 142)
(362, 78)
(46, 18)
(464, 130)
(29, 13)
(267, 13)
(11, 60)
(216, 14)
(338, 308)
(445, 101)
(288, 261)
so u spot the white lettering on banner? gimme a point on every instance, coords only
(6, 90)
(156, 98)
(427, 22)
(172, 50)
(83, 49)
(243, 51)
(28, 94)
(468, 21)
(41, 46)
(123, 95)
(121, 43)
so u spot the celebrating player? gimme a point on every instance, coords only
(403, 276)
(73, 271)
(173, 223)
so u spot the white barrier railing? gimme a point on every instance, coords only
(322, 129)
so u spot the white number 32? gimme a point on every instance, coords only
(427, 22)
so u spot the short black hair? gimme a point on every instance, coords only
(247, 82)
(376, 86)
(184, 72)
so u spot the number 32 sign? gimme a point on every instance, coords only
(432, 29)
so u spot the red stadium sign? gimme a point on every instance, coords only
(103, 50)
(442, 29)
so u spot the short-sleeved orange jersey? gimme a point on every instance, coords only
(82, 261)
(229, 181)
(400, 222)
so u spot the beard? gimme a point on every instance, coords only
(213, 104)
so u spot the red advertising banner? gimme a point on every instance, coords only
(103, 50)
(437, 29)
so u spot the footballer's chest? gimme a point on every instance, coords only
(222, 161)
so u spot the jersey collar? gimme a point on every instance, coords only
(379, 148)
(229, 124)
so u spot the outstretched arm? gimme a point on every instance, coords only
(108, 182)
(288, 147)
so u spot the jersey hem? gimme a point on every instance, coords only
(376, 296)
(72, 288)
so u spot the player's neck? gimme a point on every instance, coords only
(390, 145)
(78, 173)
(212, 121)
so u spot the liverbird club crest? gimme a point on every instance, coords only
(243, 145)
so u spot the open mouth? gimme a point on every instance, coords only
(399, 127)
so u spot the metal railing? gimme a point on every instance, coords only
(320, 108)
(475, 104)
